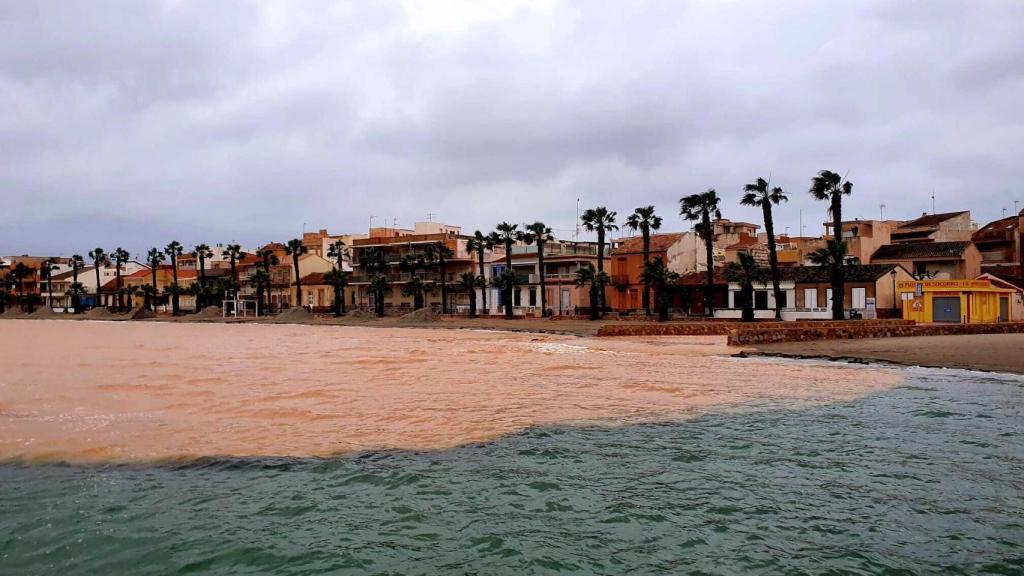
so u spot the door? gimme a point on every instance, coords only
(1004, 309)
(859, 297)
(946, 309)
(565, 300)
(810, 297)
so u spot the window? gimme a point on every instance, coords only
(533, 297)
(810, 297)
(761, 300)
(828, 298)
(859, 298)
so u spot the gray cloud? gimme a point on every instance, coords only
(131, 123)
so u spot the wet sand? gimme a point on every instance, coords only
(154, 391)
(991, 352)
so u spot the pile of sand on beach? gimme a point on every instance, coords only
(361, 315)
(293, 316)
(46, 312)
(13, 312)
(141, 313)
(423, 315)
(210, 312)
(99, 314)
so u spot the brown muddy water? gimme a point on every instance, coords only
(103, 391)
(157, 448)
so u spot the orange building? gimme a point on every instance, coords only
(627, 264)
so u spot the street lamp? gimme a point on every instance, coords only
(895, 303)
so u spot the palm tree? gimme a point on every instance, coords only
(77, 263)
(149, 293)
(442, 253)
(99, 258)
(601, 220)
(267, 259)
(19, 273)
(469, 283)
(745, 273)
(372, 261)
(587, 275)
(414, 287)
(379, 284)
(7, 285)
(701, 208)
(541, 234)
(154, 257)
(75, 292)
(834, 254)
(831, 187)
(46, 272)
(507, 234)
(121, 256)
(337, 279)
(174, 249)
(295, 248)
(478, 243)
(644, 220)
(260, 281)
(234, 254)
(657, 275)
(339, 251)
(760, 194)
(202, 252)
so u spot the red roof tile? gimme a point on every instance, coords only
(659, 243)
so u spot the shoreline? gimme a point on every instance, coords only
(977, 352)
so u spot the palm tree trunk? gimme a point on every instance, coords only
(175, 301)
(96, 268)
(773, 258)
(509, 287)
(483, 289)
(543, 280)
(838, 305)
(600, 268)
(444, 287)
(298, 281)
(117, 276)
(709, 242)
(337, 300)
(646, 298)
(155, 293)
(472, 303)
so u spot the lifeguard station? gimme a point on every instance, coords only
(955, 301)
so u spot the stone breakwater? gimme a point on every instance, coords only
(725, 328)
(750, 336)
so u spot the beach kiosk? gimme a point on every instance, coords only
(976, 301)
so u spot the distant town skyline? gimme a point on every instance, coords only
(138, 124)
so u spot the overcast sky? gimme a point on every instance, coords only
(134, 123)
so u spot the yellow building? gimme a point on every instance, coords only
(957, 301)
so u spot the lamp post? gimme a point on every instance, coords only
(895, 302)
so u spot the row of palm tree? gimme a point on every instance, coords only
(825, 186)
(701, 209)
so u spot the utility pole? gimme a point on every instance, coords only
(933, 202)
(576, 236)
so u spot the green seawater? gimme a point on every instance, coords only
(927, 478)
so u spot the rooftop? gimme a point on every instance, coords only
(931, 220)
(659, 243)
(921, 250)
(1002, 229)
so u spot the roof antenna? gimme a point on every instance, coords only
(933, 202)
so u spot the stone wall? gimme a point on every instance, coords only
(749, 336)
(723, 328)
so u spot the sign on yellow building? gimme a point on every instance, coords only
(957, 301)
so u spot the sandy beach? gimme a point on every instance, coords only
(992, 352)
(148, 391)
